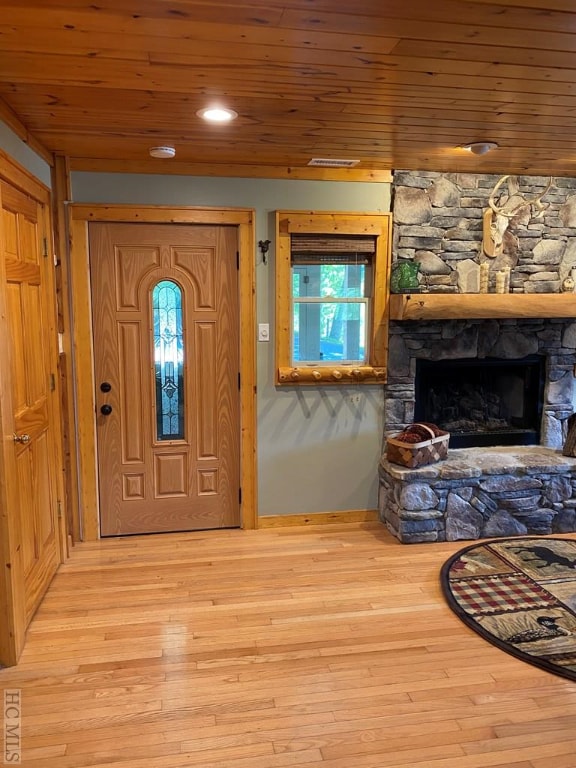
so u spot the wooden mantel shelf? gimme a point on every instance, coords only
(470, 306)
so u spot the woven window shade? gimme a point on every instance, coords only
(323, 249)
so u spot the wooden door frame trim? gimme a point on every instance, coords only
(61, 194)
(84, 383)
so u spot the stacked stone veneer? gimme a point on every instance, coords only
(438, 222)
(480, 493)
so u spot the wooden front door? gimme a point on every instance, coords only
(166, 355)
(28, 379)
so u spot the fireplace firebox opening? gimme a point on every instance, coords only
(482, 402)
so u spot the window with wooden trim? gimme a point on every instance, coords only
(331, 297)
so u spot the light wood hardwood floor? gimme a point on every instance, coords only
(327, 647)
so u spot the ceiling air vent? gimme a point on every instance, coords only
(327, 162)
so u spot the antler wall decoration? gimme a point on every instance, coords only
(498, 217)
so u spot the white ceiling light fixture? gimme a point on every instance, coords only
(163, 152)
(480, 147)
(217, 114)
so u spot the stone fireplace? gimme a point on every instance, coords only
(482, 402)
(503, 387)
(520, 484)
(547, 346)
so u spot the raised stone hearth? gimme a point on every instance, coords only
(480, 493)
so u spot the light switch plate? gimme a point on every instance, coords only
(263, 332)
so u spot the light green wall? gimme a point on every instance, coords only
(318, 448)
(22, 153)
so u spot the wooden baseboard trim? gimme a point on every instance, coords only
(320, 518)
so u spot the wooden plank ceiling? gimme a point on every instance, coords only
(392, 83)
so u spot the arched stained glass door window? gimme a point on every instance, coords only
(168, 360)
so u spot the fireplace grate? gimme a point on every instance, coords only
(482, 403)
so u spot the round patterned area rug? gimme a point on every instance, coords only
(519, 594)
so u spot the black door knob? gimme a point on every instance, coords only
(106, 409)
(105, 386)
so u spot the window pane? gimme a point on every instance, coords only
(329, 330)
(168, 360)
(329, 280)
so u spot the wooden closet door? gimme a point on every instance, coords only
(166, 351)
(28, 379)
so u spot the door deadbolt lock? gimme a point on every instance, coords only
(106, 409)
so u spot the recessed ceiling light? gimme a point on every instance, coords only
(217, 114)
(480, 147)
(162, 152)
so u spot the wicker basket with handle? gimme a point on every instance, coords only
(418, 454)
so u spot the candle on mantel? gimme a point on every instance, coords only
(500, 279)
(484, 270)
(506, 272)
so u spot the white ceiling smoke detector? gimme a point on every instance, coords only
(328, 162)
(163, 152)
(480, 147)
